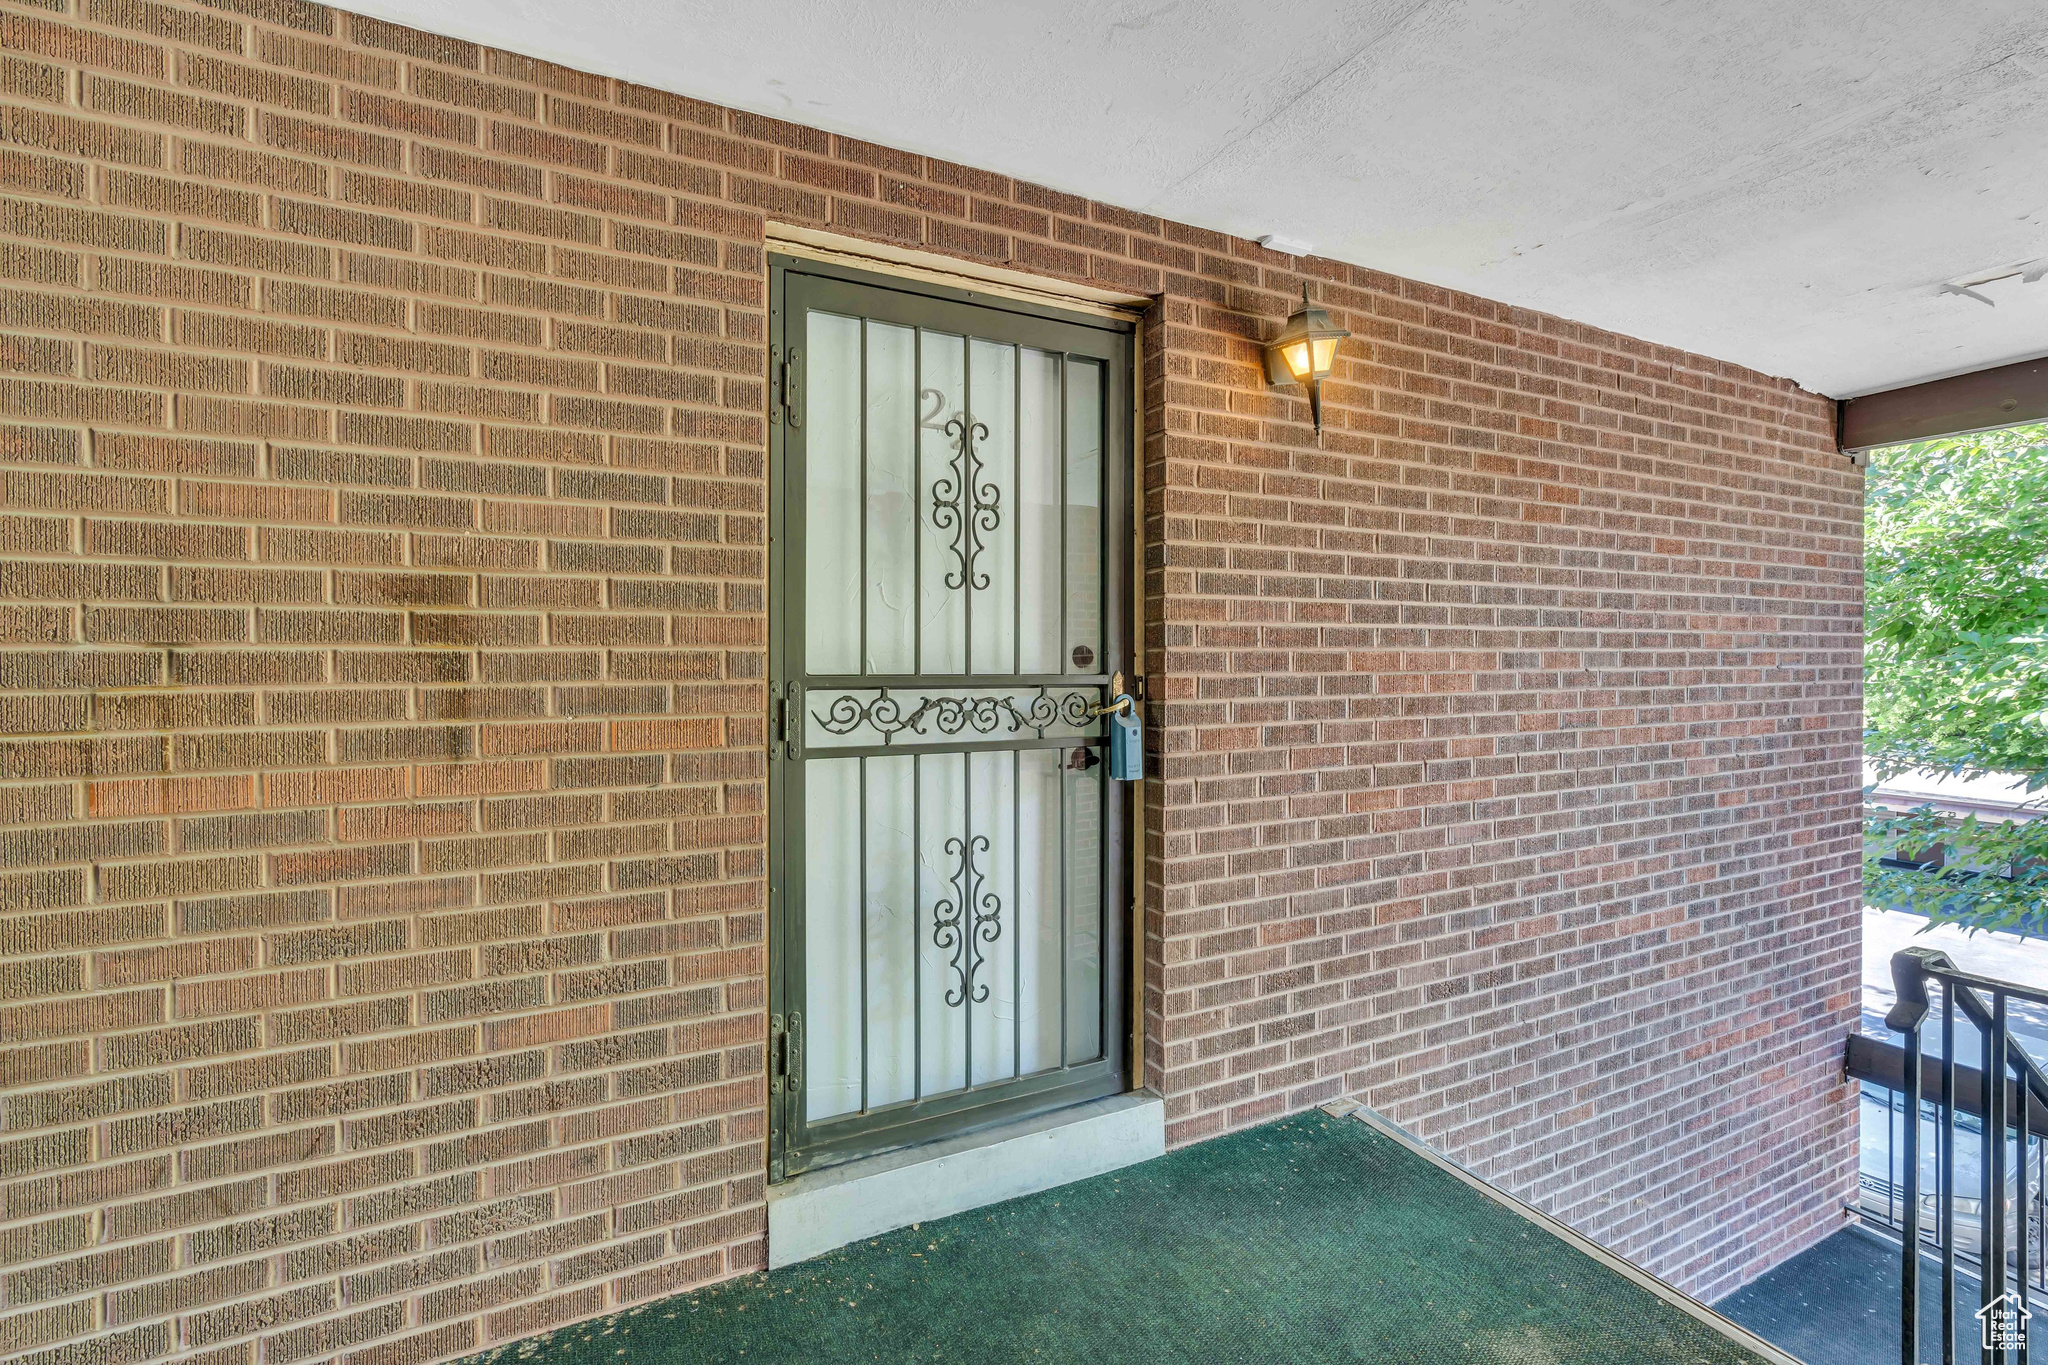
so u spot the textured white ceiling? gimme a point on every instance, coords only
(1802, 187)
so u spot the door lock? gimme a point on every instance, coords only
(1120, 700)
(1126, 732)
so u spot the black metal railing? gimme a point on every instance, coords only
(1881, 1179)
(1996, 1228)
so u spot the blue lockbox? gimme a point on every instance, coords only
(1126, 743)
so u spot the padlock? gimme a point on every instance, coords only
(1126, 742)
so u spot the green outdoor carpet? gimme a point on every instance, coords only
(1312, 1239)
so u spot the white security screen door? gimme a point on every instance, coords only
(949, 580)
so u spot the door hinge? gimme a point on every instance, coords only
(790, 735)
(785, 1054)
(783, 388)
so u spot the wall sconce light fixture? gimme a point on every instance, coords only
(1304, 353)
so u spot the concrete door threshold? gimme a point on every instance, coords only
(824, 1209)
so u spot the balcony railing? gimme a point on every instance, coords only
(1881, 1180)
(1979, 1201)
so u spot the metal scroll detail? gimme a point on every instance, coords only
(964, 923)
(964, 504)
(951, 715)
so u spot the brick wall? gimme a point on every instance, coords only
(381, 451)
(1512, 749)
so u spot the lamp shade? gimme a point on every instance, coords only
(1304, 353)
(1306, 349)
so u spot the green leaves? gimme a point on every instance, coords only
(1995, 877)
(1956, 659)
(1956, 604)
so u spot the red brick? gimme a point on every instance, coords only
(389, 570)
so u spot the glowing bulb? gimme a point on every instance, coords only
(1295, 357)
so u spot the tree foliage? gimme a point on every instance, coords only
(1956, 660)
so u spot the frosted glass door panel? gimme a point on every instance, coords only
(1084, 518)
(992, 1005)
(953, 505)
(942, 419)
(945, 865)
(892, 929)
(974, 946)
(1081, 820)
(954, 913)
(1038, 512)
(832, 496)
(833, 900)
(1038, 910)
(892, 513)
(992, 507)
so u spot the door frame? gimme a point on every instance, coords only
(1122, 937)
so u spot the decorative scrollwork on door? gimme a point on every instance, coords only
(965, 505)
(971, 918)
(951, 715)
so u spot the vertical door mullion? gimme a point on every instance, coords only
(863, 935)
(917, 926)
(1017, 509)
(916, 503)
(866, 661)
(865, 658)
(1063, 901)
(1060, 655)
(1107, 797)
(969, 457)
(967, 907)
(967, 496)
(1017, 895)
(1061, 660)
